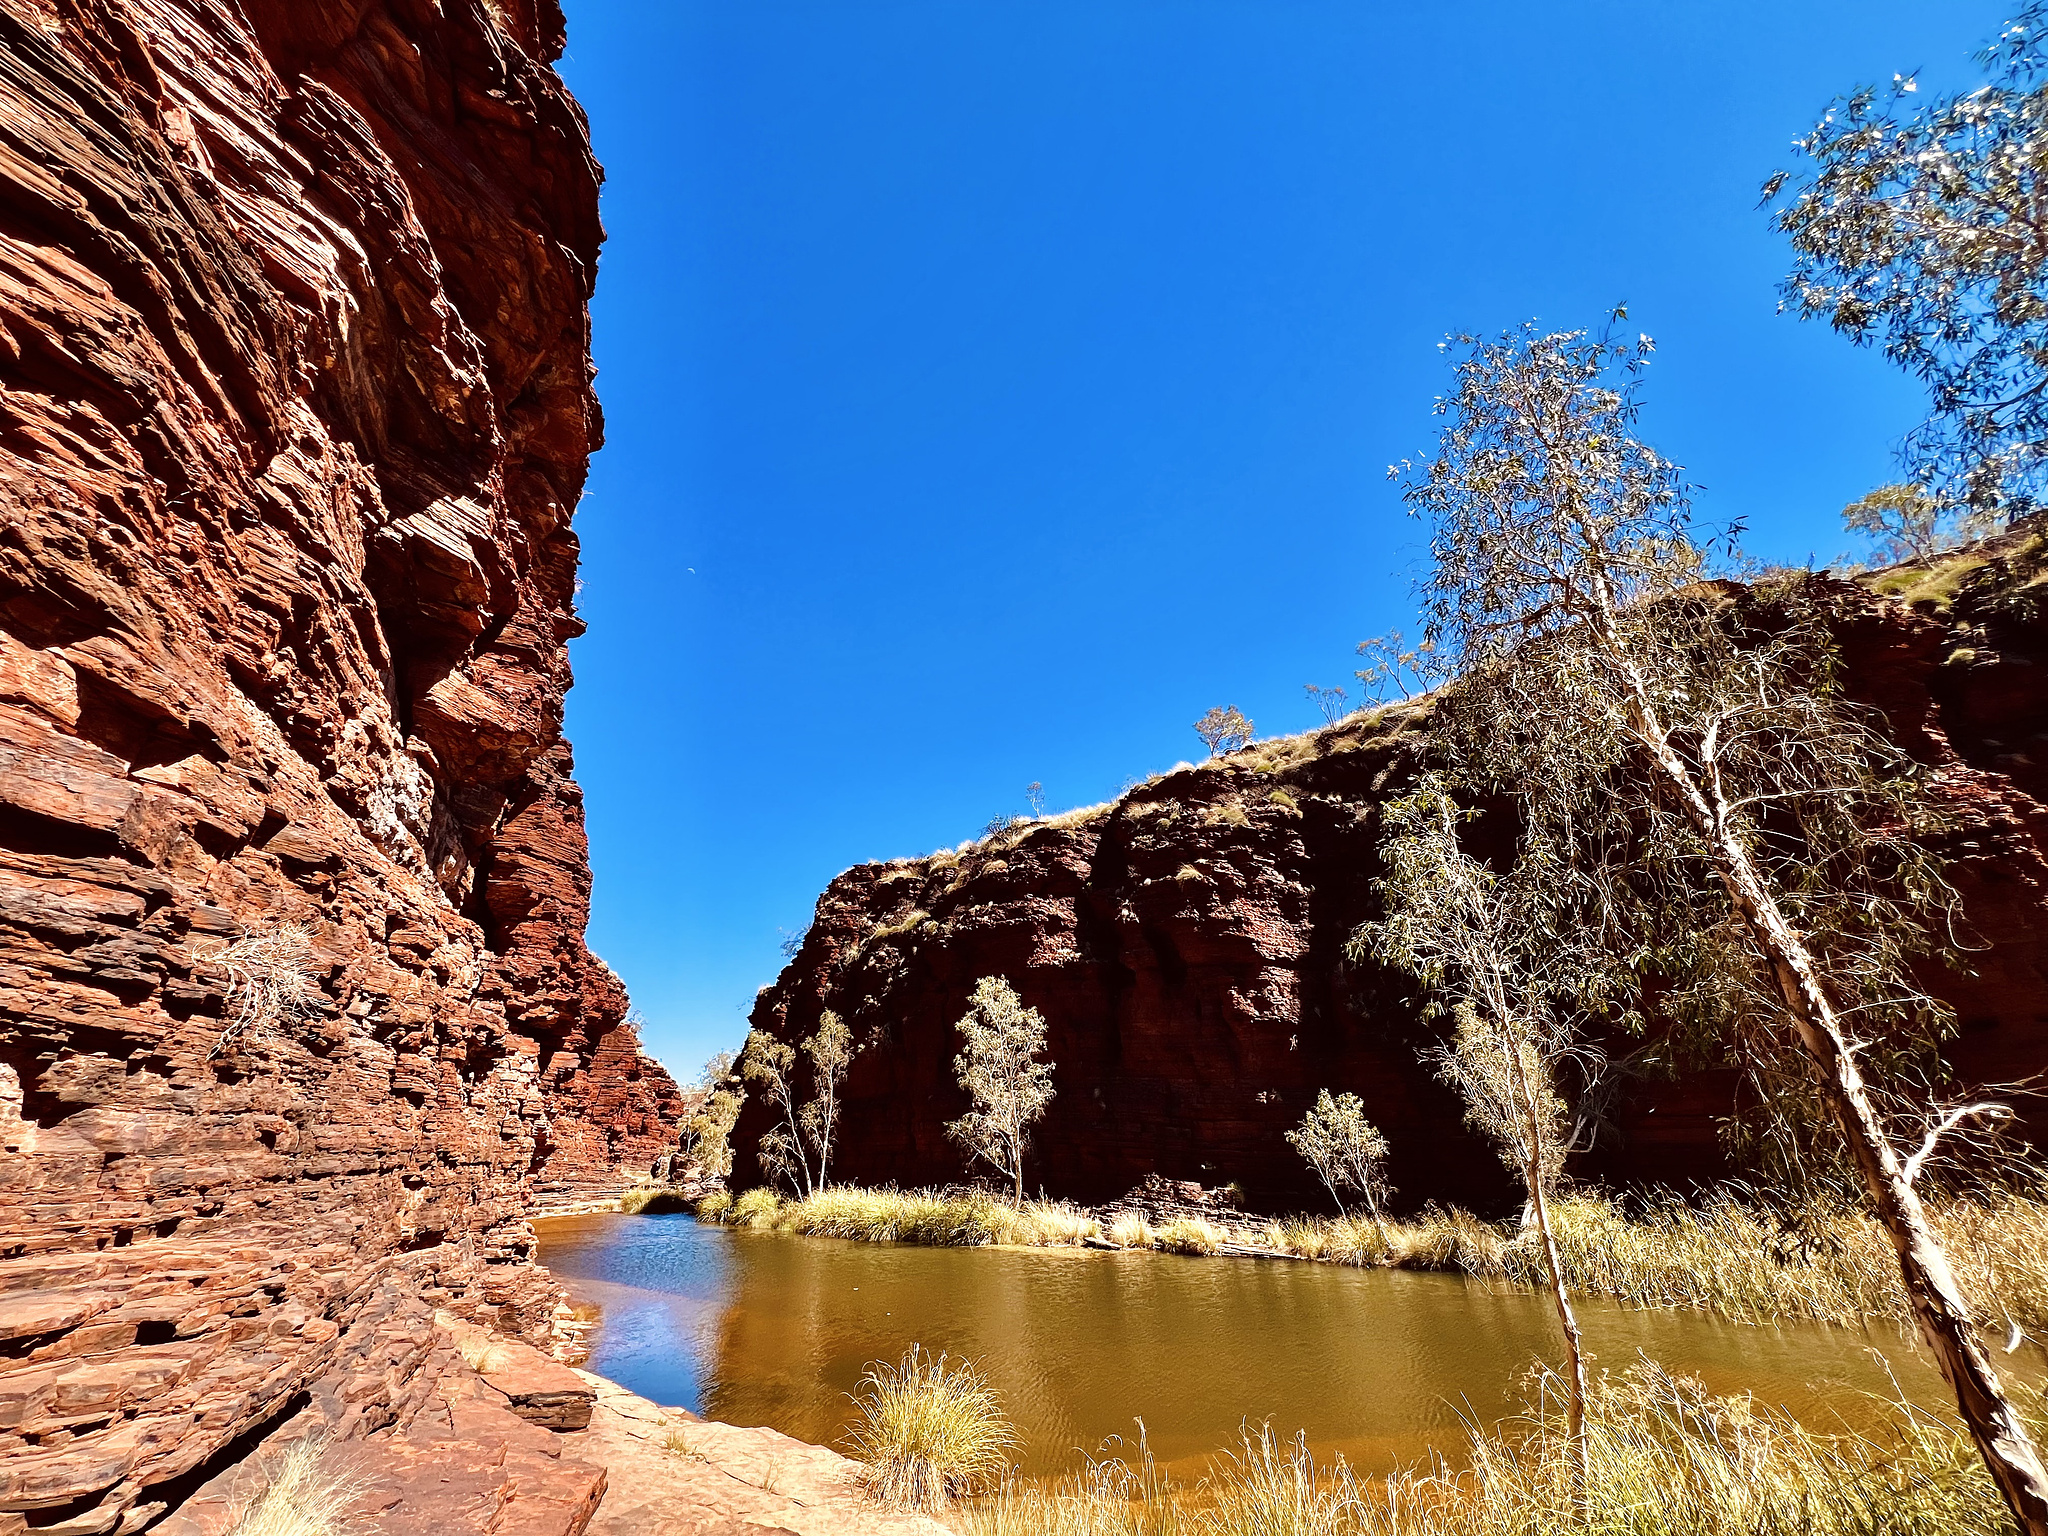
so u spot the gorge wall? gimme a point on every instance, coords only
(295, 404)
(1185, 943)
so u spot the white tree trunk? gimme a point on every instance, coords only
(1936, 1302)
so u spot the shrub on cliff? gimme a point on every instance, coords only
(1224, 729)
(270, 981)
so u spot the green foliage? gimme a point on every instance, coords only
(1918, 229)
(1001, 1072)
(706, 1132)
(798, 1148)
(1224, 729)
(831, 1052)
(1346, 1150)
(1904, 522)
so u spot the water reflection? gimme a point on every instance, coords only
(759, 1328)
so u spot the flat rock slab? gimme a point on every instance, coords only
(470, 1466)
(539, 1390)
(672, 1474)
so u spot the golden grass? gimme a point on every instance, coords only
(651, 1197)
(1726, 1257)
(930, 1431)
(1665, 1458)
(1191, 1235)
(480, 1352)
(755, 1208)
(1130, 1230)
(298, 1498)
(1717, 1255)
(910, 1216)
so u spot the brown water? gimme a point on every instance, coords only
(1382, 1366)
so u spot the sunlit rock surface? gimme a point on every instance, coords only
(295, 402)
(1186, 944)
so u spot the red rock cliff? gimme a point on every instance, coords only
(295, 403)
(1186, 943)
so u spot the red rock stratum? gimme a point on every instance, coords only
(1186, 943)
(295, 403)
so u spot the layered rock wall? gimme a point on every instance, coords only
(1186, 944)
(295, 404)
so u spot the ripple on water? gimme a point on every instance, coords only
(1382, 1366)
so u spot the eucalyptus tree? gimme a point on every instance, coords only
(1906, 522)
(1707, 794)
(1224, 728)
(706, 1138)
(798, 1147)
(831, 1052)
(1491, 943)
(1919, 228)
(1001, 1072)
(1347, 1151)
(770, 1064)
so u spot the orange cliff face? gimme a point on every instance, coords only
(1186, 944)
(297, 402)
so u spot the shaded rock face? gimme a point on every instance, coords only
(1186, 945)
(295, 402)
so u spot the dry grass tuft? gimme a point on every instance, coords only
(299, 1499)
(930, 1431)
(1666, 1459)
(756, 1208)
(1191, 1235)
(479, 1351)
(651, 1198)
(911, 1216)
(1131, 1230)
(270, 981)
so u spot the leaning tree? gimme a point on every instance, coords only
(1715, 802)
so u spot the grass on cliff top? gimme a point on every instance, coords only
(1829, 1265)
(1666, 1458)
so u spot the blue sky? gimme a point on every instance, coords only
(992, 388)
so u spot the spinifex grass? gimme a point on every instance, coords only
(1666, 1459)
(910, 1216)
(930, 1431)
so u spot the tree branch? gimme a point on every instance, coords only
(1949, 1122)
